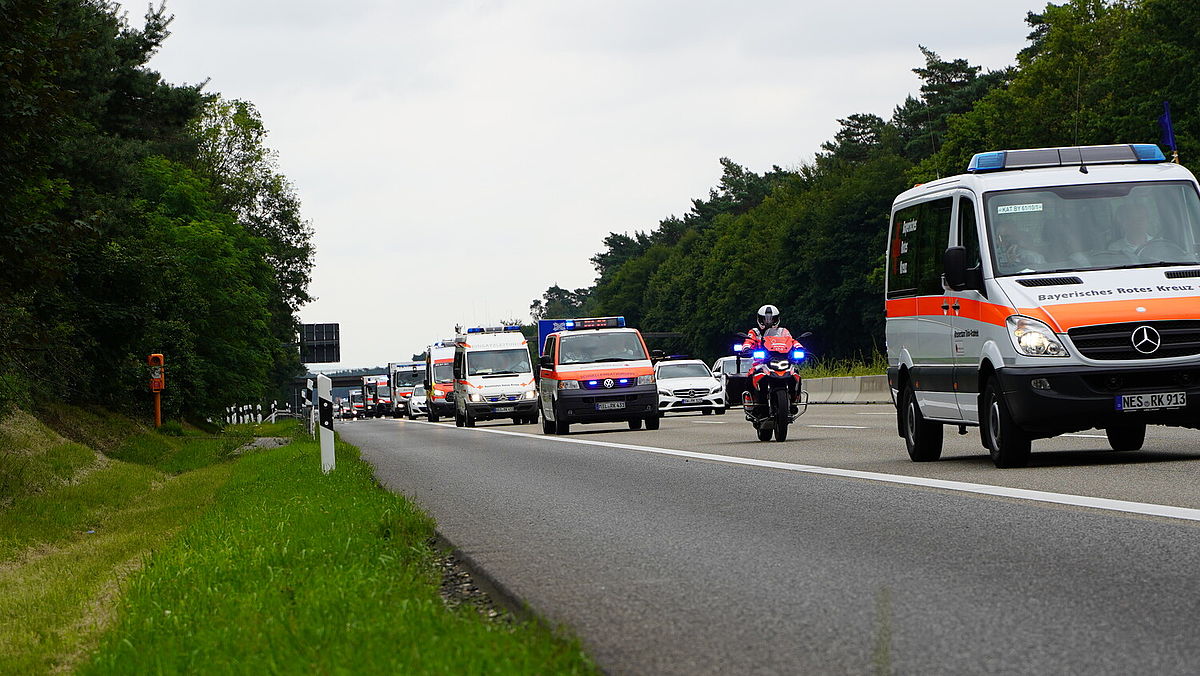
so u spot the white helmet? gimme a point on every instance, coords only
(768, 317)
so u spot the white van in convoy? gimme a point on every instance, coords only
(1044, 292)
(439, 379)
(493, 376)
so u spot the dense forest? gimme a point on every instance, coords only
(136, 217)
(811, 239)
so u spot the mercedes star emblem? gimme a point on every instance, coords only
(608, 382)
(1146, 339)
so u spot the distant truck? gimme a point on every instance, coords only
(377, 396)
(404, 376)
(493, 376)
(439, 379)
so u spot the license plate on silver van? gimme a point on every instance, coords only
(1150, 402)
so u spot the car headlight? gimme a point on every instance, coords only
(646, 380)
(663, 393)
(474, 397)
(568, 384)
(1033, 338)
(438, 394)
(715, 390)
(529, 394)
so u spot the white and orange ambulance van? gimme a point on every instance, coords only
(493, 376)
(596, 370)
(439, 379)
(1045, 291)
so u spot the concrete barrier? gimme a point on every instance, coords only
(848, 390)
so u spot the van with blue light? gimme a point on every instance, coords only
(1044, 292)
(439, 379)
(493, 376)
(595, 370)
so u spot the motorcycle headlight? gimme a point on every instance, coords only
(1034, 338)
(568, 384)
(646, 379)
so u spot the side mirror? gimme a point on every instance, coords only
(656, 354)
(954, 264)
(806, 334)
(545, 361)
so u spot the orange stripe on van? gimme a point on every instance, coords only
(597, 374)
(1061, 317)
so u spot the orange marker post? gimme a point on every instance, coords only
(158, 382)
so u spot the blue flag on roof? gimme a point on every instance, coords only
(1168, 130)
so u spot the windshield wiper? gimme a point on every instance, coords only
(597, 361)
(1158, 264)
(495, 374)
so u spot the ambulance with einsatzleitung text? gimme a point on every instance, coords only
(595, 370)
(1046, 291)
(493, 376)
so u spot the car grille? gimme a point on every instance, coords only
(1115, 341)
(689, 394)
(502, 397)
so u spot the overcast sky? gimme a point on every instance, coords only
(457, 158)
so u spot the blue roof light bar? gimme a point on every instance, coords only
(1033, 158)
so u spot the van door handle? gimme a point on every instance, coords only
(956, 307)
(945, 306)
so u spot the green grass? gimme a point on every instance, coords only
(294, 571)
(56, 597)
(832, 368)
(34, 459)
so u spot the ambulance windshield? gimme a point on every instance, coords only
(509, 362)
(1093, 227)
(601, 346)
(407, 378)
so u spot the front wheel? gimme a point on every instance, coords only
(635, 423)
(923, 438)
(1008, 444)
(764, 434)
(1126, 437)
(433, 417)
(783, 407)
(719, 410)
(652, 422)
(547, 426)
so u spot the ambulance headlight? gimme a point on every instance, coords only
(568, 384)
(646, 379)
(530, 394)
(474, 397)
(1033, 338)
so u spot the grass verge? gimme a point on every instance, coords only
(290, 570)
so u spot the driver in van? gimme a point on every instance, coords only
(1135, 229)
(1014, 250)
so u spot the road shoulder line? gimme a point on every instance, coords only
(1106, 504)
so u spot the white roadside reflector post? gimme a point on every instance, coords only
(325, 400)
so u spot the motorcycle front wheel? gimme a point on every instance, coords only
(783, 417)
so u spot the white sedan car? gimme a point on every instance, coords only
(688, 385)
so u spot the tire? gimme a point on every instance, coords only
(458, 419)
(518, 420)
(922, 438)
(433, 417)
(468, 419)
(653, 422)
(708, 411)
(635, 424)
(412, 416)
(783, 418)
(1008, 444)
(720, 410)
(547, 426)
(562, 427)
(764, 434)
(1126, 437)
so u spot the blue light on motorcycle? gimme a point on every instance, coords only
(738, 347)
(798, 355)
(760, 354)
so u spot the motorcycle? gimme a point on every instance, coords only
(775, 376)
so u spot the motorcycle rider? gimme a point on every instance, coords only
(768, 320)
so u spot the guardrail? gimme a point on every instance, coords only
(848, 390)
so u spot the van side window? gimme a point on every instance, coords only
(968, 231)
(934, 237)
(902, 254)
(458, 365)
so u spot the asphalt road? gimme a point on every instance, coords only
(685, 565)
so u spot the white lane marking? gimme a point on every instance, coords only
(709, 422)
(1087, 436)
(840, 427)
(873, 413)
(1107, 504)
